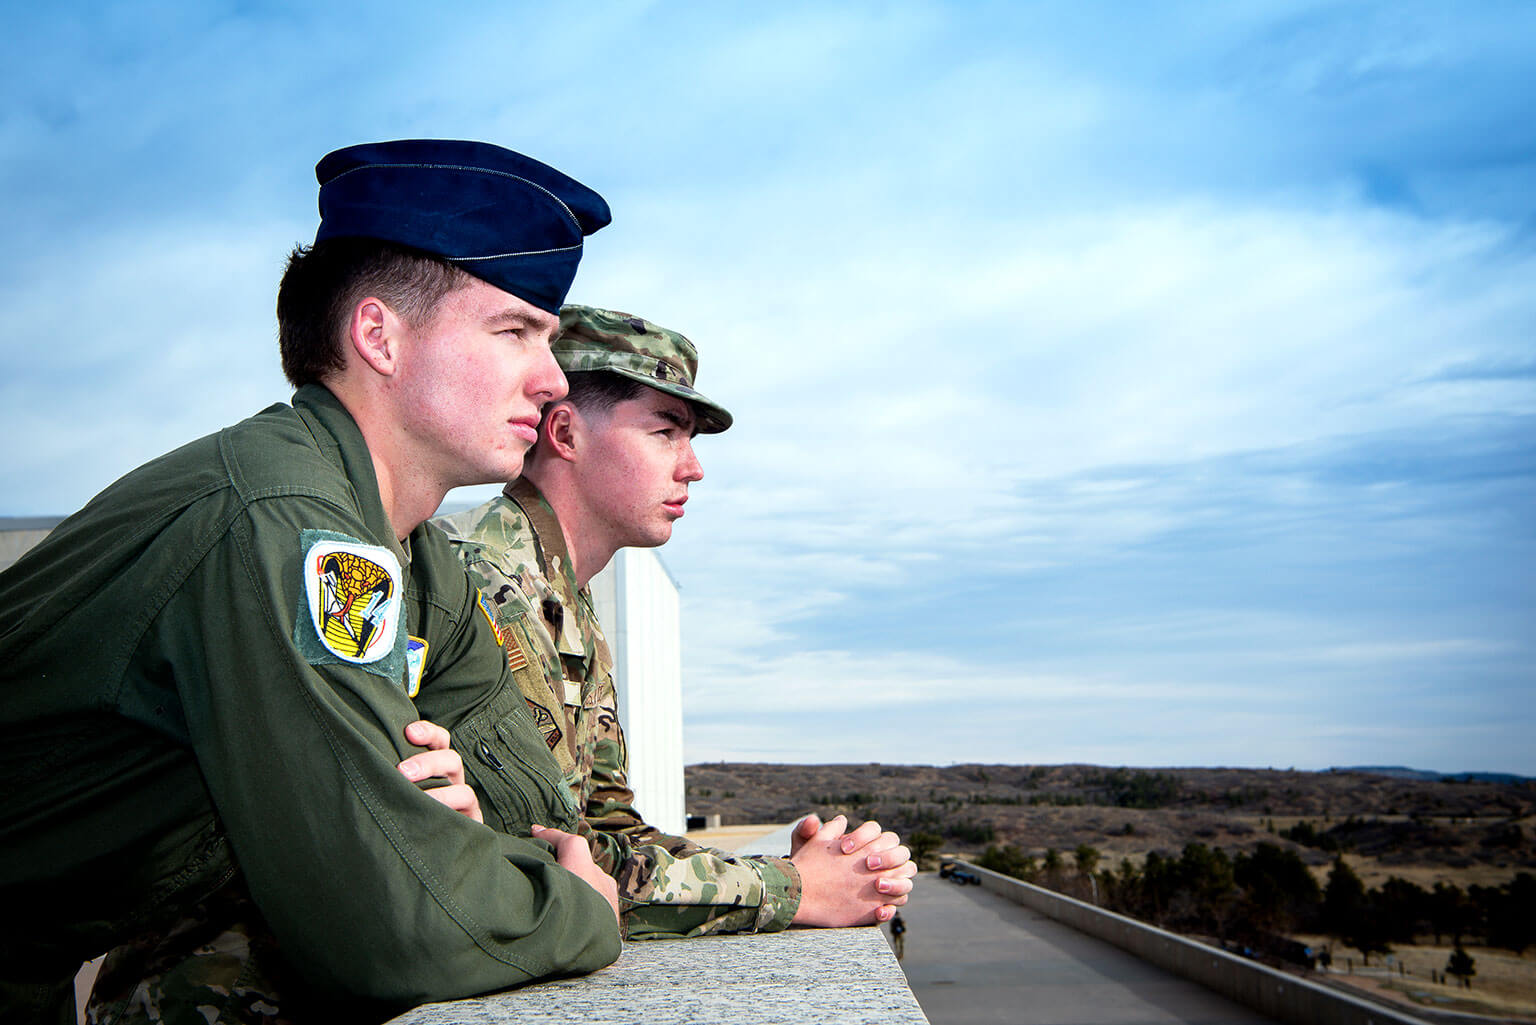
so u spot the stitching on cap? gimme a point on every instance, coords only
(575, 221)
(499, 256)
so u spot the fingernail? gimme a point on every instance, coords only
(411, 770)
(883, 886)
(847, 846)
(874, 861)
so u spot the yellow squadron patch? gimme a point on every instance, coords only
(354, 598)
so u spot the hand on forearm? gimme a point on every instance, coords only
(440, 761)
(574, 855)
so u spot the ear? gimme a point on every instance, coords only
(560, 433)
(374, 333)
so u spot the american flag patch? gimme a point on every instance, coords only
(516, 657)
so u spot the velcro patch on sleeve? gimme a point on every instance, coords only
(352, 605)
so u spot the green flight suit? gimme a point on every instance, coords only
(669, 887)
(205, 675)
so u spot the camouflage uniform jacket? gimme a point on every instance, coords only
(205, 675)
(669, 887)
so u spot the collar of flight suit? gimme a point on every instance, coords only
(335, 431)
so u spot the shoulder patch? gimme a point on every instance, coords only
(351, 604)
(415, 662)
(489, 610)
(545, 722)
(354, 597)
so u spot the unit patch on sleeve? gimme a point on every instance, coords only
(545, 722)
(490, 614)
(352, 605)
(415, 662)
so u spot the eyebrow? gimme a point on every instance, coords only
(676, 419)
(515, 318)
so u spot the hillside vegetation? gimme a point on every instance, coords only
(1477, 830)
(1260, 860)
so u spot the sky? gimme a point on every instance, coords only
(1145, 385)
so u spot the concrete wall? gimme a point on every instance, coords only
(1274, 993)
(845, 976)
(849, 976)
(637, 604)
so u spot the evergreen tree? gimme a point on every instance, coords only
(924, 846)
(1009, 860)
(1401, 907)
(1343, 899)
(1279, 892)
(1205, 878)
(1512, 916)
(1462, 965)
(1449, 912)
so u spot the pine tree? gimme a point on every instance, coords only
(1343, 899)
(1462, 965)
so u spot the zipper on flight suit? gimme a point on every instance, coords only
(490, 758)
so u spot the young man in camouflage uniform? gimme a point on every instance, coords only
(212, 677)
(611, 469)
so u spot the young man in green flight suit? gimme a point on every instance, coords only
(212, 677)
(611, 469)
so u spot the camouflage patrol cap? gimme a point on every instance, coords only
(623, 344)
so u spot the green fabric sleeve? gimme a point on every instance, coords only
(376, 891)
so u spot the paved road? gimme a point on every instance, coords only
(973, 957)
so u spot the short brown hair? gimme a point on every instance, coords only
(324, 281)
(598, 391)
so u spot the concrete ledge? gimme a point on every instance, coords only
(849, 975)
(1264, 989)
(846, 975)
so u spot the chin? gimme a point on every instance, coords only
(508, 468)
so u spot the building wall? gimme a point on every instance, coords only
(19, 534)
(637, 603)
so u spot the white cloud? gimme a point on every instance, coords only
(160, 337)
(1023, 301)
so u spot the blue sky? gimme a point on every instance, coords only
(1135, 384)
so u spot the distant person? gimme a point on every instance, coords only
(213, 674)
(611, 469)
(899, 935)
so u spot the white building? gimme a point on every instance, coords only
(637, 604)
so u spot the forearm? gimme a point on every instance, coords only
(692, 891)
(374, 890)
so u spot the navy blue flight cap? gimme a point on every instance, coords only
(503, 217)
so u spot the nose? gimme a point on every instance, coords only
(546, 382)
(688, 467)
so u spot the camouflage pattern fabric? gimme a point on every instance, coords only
(669, 887)
(591, 339)
(218, 964)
